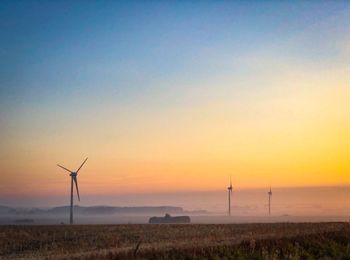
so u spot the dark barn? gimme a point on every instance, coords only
(167, 219)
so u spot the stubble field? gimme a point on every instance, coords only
(192, 241)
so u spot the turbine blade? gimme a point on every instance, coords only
(230, 182)
(64, 168)
(76, 186)
(81, 165)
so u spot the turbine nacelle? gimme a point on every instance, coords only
(230, 187)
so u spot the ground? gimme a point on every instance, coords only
(187, 241)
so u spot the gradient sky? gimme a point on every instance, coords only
(173, 96)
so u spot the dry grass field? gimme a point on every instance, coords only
(226, 241)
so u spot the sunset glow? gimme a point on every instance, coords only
(174, 97)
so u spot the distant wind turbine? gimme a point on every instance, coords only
(229, 197)
(270, 194)
(73, 179)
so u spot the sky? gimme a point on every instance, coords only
(173, 96)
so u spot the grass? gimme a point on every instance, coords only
(227, 241)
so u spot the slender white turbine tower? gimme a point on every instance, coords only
(229, 197)
(73, 176)
(270, 194)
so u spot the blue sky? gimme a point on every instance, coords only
(53, 49)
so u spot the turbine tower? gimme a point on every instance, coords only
(73, 176)
(229, 197)
(270, 194)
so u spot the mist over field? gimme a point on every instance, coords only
(248, 205)
(316, 201)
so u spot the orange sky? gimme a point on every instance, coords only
(297, 137)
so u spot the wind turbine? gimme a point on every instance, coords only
(229, 197)
(73, 176)
(270, 194)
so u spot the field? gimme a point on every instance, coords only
(226, 241)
